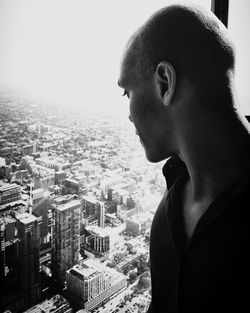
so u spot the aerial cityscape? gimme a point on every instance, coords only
(77, 199)
(77, 194)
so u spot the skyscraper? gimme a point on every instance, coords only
(28, 255)
(7, 247)
(65, 238)
(92, 206)
(102, 214)
(97, 239)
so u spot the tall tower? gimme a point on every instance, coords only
(65, 238)
(102, 214)
(2, 248)
(7, 247)
(30, 200)
(28, 255)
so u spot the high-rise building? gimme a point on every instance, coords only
(139, 223)
(70, 186)
(20, 174)
(65, 238)
(9, 193)
(119, 195)
(97, 240)
(56, 304)
(5, 171)
(12, 296)
(123, 212)
(93, 283)
(44, 182)
(90, 206)
(59, 177)
(28, 256)
(94, 207)
(109, 182)
(65, 199)
(7, 247)
(102, 214)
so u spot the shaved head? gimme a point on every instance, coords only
(178, 73)
(190, 38)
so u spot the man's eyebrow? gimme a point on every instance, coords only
(120, 83)
(123, 82)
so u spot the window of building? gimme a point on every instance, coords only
(239, 25)
(68, 52)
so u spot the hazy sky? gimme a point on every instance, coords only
(72, 48)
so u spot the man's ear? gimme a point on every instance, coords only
(166, 80)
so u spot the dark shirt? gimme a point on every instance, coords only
(209, 272)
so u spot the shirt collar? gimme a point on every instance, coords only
(172, 169)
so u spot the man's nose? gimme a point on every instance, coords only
(130, 118)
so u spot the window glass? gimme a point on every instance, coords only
(68, 53)
(239, 26)
(70, 49)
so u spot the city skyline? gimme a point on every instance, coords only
(77, 194)
(72, 190)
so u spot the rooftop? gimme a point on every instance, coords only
(26, 218)
(13, 204)
(5, 187)
(64, 198)
(96, 230)
(82, 271)
(60, 172)
(90, 199)
(48, 305)
(69, 205)
(6, 220)
(90, 267)
(140, 218)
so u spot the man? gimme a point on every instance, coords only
(178, 73)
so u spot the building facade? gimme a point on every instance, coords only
(56, 304)
(97, 239)
(138, 224)
(94, 283)
(59, 177)
(9, 193)
(65, 238)
(28, 256)
(94, 207)
(27, 150)
(124, 212)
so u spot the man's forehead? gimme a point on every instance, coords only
(127, 78)
(128, 68)
(124, 79)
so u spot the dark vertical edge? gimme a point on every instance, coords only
(220, 9)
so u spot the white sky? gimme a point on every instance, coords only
(72, 48)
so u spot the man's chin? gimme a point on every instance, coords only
(153, 157)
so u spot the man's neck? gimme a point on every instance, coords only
(210, 173)
(217, 159)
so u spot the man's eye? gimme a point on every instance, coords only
(125, 93)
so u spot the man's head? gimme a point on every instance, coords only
(182, 55)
